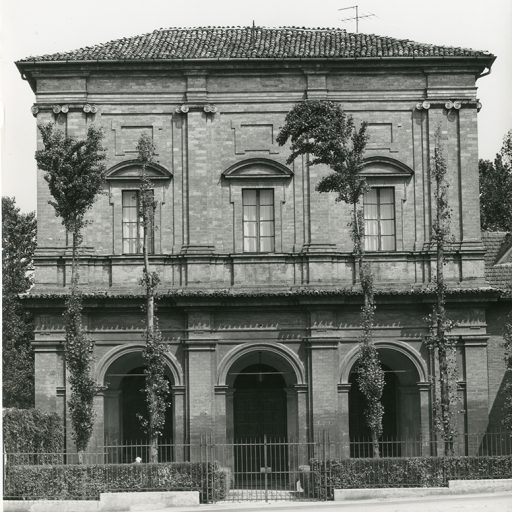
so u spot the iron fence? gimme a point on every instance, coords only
(266, 468)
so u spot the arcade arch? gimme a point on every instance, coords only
(405, 400)
(121, 374)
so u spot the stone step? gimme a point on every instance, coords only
(259, 495)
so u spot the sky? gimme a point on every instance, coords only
(35, 27)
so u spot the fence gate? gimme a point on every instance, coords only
(263, 469)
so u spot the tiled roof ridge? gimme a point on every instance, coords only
(497, 245)
(232, 42)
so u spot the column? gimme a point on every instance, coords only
(477, 389)
(112, 416)
(303, 433)
(179, 427)
(409, 420)
(95, 447)
(425, 409)
(224, 426)
(344, 415)
(220, 414)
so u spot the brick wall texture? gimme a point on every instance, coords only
(199, 238)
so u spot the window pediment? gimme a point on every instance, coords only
(257, 168)
(381, 166)
(131, 170)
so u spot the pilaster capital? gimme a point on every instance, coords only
(344, 387)
(177, 390)
(300, 388)
(423, 386)
(221, 390)
(200, 345)
(322, 343)
(474, 340)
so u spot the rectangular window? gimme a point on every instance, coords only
(379, 219)
(133, 229)
(258, 219)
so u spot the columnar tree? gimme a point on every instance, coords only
(74, 170)
(18, 246)
(322, 131)
(156, 385)
(440, 325)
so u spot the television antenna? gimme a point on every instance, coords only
(356, 17)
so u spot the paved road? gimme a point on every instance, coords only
(497, 502)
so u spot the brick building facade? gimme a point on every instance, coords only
(259, 301)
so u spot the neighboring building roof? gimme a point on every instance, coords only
(498, 259)
(209, 43)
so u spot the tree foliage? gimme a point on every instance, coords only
(496, 189)
(156, 385)
(440, 326)
(74, 170)
(18, 244)
(32, 431)
(322, 131)
(507, 406)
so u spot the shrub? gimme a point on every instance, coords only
(402, 472)
(87, 481)
(32, 431)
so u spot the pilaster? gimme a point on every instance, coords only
(343, 411)
(323, 356)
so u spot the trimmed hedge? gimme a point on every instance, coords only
(32, 431)
(87, 481)
(322, 479)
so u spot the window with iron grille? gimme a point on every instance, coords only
(133, 230)
(379, 219)
(258, 220)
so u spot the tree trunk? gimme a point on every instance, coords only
(367, 298)
(444, 377)
(375, 445)
(150, 327)
(74, 289)
(74, 262)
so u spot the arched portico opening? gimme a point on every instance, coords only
(403, 396)
(263, 403)
(125, 404)
(259, 404)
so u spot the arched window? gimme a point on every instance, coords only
(387, 179)
(257, 189)
(124, 182)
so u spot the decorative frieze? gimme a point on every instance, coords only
(207, 108)
(448, 104)
(58, 109)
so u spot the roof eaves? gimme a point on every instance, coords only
(263, 59)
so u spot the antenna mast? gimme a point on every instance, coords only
(356, 17)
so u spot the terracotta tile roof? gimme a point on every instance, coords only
(498, 259)
(255, 43)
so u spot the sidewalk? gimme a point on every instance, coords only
(481, 502)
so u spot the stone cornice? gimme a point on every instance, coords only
(32, 70)
(474, 340)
